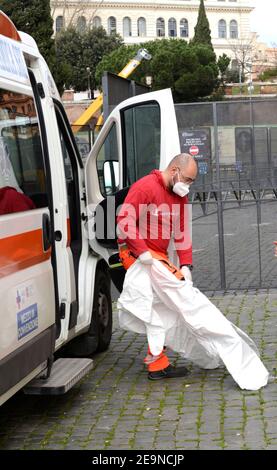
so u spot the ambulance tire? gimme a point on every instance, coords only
(102, 316)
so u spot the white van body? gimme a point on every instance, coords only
(54, 272)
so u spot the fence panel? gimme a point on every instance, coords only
(235, 196)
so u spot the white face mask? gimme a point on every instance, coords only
(182, 189)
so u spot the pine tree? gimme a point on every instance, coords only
(82, 50)
(202, 32)
(189, 70)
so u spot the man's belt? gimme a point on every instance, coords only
(128, 258)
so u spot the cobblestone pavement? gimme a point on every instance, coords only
(117, 407)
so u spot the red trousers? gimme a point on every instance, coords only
(155, 363)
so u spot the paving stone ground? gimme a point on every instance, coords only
(116, 407)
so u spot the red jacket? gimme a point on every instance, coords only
(13, 201)
(150, 214)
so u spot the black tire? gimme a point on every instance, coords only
(102, 310)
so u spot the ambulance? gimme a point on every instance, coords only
(57, 218)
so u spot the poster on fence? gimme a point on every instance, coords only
(196, 142)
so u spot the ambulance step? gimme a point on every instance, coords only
(65, 373)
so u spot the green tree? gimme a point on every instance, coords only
(33, 17)
(116, 60)
(82, 50)
(202, 32)
(233, 76)
(268, 74)
(223, 64)
(189, 70)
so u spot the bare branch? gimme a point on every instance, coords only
(53, 8)
(244, 51)
(68, 6)
(95, 11)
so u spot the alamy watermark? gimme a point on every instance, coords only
(147, 221)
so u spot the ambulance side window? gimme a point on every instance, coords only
(107, 164)
(71, 175)
(22, 172)
(142, 135)
(70, 183)
(66, 161)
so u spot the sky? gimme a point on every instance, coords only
(264, 20)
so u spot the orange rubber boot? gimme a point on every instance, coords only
(155, 363)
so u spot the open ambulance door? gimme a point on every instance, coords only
(140, 134)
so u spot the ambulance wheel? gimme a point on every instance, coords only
(102, 310)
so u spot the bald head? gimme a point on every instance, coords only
(183, 167)
(182, 160)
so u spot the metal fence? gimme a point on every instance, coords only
(234, 199)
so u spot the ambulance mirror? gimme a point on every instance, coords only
(111, 176)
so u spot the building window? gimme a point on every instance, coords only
(233, 29)
(81, 24)
(59, 24)
(111, 25)
(160, 27)
(127, 26)
(141, 27)
(222, 32)
(184, 28)
(172, 28)
(96, 22)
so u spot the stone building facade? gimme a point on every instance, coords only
(145, 20)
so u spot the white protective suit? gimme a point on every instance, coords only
(176, 314)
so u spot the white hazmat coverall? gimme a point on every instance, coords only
(174, 313)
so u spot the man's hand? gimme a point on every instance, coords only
(146, 258)
(186, 273)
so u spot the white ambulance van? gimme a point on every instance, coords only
(54, 266)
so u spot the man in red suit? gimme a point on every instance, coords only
(13, 201)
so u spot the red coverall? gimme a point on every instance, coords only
(150, 214)
(13, 201)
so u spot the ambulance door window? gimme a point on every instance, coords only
(141, 140)
(107, 164)
(22, 171)
(70, 188)
(71, 179)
